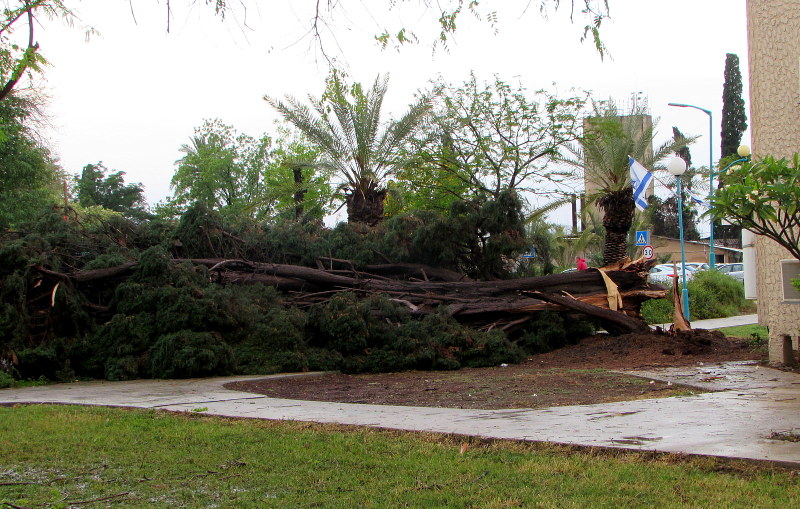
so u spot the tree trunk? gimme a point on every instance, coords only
(365, 203)
(618, 210)
(299, 195)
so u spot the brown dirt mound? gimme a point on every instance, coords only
(574, 375)
(659, 348)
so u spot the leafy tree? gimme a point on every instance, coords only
(734, 118)
(297, 186)
(664, 218)
(446, 13)
(345, 126)
(764, 197)
(663, 214)
(18, 57)
(602, 158)
(493, 138)
(29, 177)
(96, 187)
(224, 171)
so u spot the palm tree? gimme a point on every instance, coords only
(602, 159)
(345, 125)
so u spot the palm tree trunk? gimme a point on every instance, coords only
(365, 204)
(618, 210)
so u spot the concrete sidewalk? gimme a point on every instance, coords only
(718, 323)
(752, 403)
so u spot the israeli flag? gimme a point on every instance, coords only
(640, 180)
(695, 198)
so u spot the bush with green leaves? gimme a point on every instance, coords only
(711, 295)
(166, 317)
(189, 354)
(657, 311)
(548, 331)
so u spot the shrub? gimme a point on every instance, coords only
(657, 311)
(548, 331)
(6, 380)
(711, 295)
(188, 354)
(714, 295)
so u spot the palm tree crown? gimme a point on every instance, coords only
(601, 159)
(345, 125)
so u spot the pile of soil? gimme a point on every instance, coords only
(657, 349)
(574, 375)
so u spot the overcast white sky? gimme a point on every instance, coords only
(133, 95)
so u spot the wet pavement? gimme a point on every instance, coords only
(718, 323)
(752, 404)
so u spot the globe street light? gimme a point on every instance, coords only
(677, 166)
(711, 260)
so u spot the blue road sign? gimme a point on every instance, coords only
(642, 238)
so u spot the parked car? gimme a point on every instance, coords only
(696, 266)
(734, 270)
(663, 274)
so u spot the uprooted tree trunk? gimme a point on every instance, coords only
(612, 295)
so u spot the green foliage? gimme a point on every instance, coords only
(658, 311)
(601, 158)
(734, 117)
(492, 138)
(664, 217)
(16, 58)
(224, 171)
(28, 174)
(711, 295)
(160, 314)
(189, 354)
(714, 295)
(549, 331)
(345, 126)
(358, 330)
(475, 238)
(6, 380)
(97, 188)
(764, 197)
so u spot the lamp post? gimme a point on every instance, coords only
(711, 256)
(677, 167)
(744, 154)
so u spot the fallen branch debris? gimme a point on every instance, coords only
(423, 290)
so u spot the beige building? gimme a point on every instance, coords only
(696, 251)
(773, 32)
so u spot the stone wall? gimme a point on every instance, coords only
(774, 56)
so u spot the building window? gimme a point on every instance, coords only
(790, 269)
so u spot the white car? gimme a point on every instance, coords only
(663, 274)
(734, 270)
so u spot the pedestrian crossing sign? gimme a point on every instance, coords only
(642, 238)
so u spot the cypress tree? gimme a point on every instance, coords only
(734, 118)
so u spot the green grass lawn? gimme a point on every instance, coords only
(746, 331)
(62, 456)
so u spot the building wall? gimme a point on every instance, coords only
(774, 55)
(695, 251)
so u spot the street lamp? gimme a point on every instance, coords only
(711, 260)
(677, 166)
(744, 155)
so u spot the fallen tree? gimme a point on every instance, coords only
(506, 304)
(122, 300)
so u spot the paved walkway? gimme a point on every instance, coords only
(752, 403)
(718, 323)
